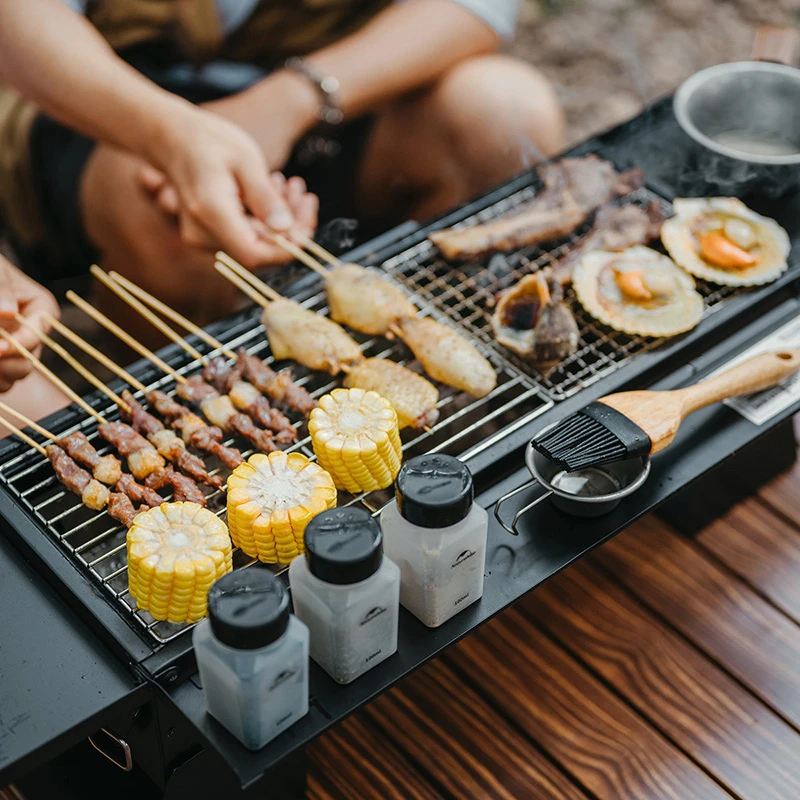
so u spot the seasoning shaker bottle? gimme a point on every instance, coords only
(253, 657)
(436, 534)
(347, 593)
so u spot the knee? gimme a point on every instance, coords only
(500, 110)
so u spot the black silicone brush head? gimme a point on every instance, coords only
(597, 434)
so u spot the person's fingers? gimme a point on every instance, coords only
(295, 190)
(169, 200)
(306, 214)
(264, 199)
(13, 369)
(195, 234)
(8, 290)
(151, 178)
(279, 180)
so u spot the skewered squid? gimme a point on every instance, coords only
(637, 291)
(532, 319)
(721, 240)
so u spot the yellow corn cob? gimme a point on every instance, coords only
(355, 437)
(271, 499)
(175, 552)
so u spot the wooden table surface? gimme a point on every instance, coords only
(660, 667)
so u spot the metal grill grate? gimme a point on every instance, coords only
(463, 293)
(455, 295)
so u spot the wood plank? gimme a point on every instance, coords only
(705, 712)
(712, 608)
(463, 742)
(354, 761)
(595, 736)
(760, 547)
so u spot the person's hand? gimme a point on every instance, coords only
(302, 204)
(20, 295)
(219, 174)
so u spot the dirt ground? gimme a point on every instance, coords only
(607, 58)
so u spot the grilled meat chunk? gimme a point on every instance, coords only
(183, 487)
(139, 493)
(195, 390)
(278, 386)
(121, 508)
(208, 439)
(73, 477)
(105, 469)
(142, 456)
(574, 188)
(262, 440)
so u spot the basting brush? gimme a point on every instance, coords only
(628, 424)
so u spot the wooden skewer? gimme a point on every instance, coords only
(155, 321)
(124, 336)
(171, 314)
(79, 341)
(290, 247)
(24, 436)
(76, 398)
(245, 273)
(317, 249)
(28, 422)
(74, 363)
(240, 284)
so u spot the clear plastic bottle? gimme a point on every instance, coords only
(347, 593)
(253, 657)
(436, 534)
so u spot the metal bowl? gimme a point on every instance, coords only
(743, 122)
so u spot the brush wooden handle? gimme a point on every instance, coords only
(755, 374)
(659, 414)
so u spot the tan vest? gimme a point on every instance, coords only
(276, 30)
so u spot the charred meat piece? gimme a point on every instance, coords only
(121, 508)
(532, 319)
(574, 188)
(166, 406)
(278, 386)
(142, 456)
(262, 440)
(216, 372)
(105, 469)
(615, 228)
(73, 477)
(141, 421)
(189, 424)
(195, 390)
(208, 439)
(183, 487)
(142, 494)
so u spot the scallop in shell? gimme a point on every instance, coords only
(637, 291)
(531, 319)
(721, 240)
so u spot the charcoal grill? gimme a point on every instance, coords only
(82, 553)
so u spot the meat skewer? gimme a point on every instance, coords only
(277, 386)
(244, 396)
(218, 408)
(94, 495)
(574, 188)
(106, 469)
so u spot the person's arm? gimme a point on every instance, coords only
(405, 47)
(56, 58)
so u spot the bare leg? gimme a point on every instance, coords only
(35, 397)
(487, 119)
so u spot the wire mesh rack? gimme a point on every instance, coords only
(457, 295)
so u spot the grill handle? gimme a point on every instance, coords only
(126, 765)
(512, 528)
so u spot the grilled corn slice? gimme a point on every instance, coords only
(271, 499)
(175, 552)
(355, 436)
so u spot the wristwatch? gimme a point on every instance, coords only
(330, 112)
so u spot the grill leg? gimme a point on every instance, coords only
(694, 507)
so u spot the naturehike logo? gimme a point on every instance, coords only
(463, 556)
(374, 655)
(281, 678)
(371, 614)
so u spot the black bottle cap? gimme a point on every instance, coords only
(343, 545)
(434, 491)
(248, 608)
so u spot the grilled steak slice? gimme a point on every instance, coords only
(574, 188)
